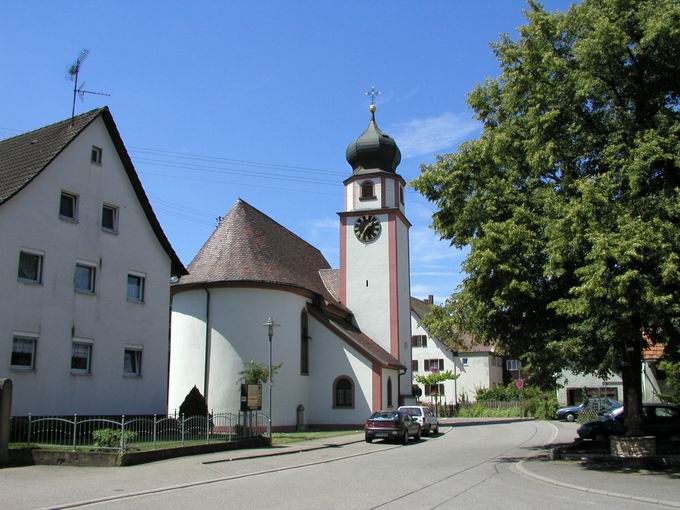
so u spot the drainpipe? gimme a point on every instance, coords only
(399, 384)
(208, 331)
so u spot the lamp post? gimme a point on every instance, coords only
(270, 333)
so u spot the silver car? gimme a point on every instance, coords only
(428, 421)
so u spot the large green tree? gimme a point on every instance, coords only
(569, 199)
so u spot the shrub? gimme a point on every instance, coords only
(110, 438)
(194, 404)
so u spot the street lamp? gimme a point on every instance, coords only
(270, 333)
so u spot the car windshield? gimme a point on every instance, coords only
(413, 411)
(385, 415)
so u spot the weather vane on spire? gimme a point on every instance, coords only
(373, 93)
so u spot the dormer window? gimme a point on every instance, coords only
(367, 190)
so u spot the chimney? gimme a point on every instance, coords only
(429, 300)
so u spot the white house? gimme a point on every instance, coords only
(477, 365)
(344, 335)
(85, 274)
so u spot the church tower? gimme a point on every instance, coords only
(374, 246)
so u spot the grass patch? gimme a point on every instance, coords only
(279, 438)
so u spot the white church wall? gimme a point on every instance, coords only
(56, 314)
(387, 374)
(187, 346)
(369, 262)
(389, 193)
(331, 357)
(359, 204)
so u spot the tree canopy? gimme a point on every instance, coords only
(569, 198)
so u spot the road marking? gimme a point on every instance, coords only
(550, 481)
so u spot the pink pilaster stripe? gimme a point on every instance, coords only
(377, 387)
(383, 192)
(342, 294)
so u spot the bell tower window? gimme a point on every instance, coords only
(367, 190)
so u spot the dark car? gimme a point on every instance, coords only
(601, 405)
(392, 425)
(660, 420)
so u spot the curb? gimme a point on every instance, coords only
(550, 481)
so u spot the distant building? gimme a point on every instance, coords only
(344, 335)
(477, 365)
(85, 274)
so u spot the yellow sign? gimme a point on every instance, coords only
(254, 396)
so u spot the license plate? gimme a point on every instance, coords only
(381, 434)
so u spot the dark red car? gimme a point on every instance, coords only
(392, 425)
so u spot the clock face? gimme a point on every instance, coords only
(367, 228)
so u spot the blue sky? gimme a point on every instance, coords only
(258, 100)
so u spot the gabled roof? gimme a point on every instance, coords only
(421, 308)
(24, 157)
(250, 247)
(355, 338)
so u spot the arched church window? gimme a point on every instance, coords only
(304, 344)
(389, 392)
(343, 392)
(367, 190)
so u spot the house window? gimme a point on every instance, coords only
(30, 267)
(135, 288)
(389, 392)
(465, 361)
(23, 352)
(414, 365)
(68, 206)
(132, 364)
(304, 344)
(343, 392)
(81, 357)
(367, 190)
(109, 218)
(84, 278)
(434, 365)
(419, 340)
(434, 390)
(513, 365)
(96, 155)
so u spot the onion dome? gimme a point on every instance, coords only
(373, 150)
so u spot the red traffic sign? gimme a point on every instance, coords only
(519, 383)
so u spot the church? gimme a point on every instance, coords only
(343, 336)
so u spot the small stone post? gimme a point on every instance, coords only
(5, 413)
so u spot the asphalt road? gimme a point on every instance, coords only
(472, 467)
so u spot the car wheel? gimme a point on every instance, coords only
(570, 417)
(428, 430)
(436, 429)
(601, 437)
(417, 436)
(369, 439)
(405, 438)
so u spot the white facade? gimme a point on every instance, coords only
(476, 369)
(55, 315)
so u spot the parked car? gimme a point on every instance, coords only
(660, 420)
(392, 425)
(603, 405)
(426, 418)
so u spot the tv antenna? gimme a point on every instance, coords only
(73, 73)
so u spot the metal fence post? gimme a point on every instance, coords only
(181, 417)
(207, 427)
(75, 431)
(28, 439)
(155, 426)
(122, 434)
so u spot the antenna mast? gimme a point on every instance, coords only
(73, 73)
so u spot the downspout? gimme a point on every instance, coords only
(208, 331)
(399, 403)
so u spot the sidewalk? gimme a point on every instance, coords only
(656, 487)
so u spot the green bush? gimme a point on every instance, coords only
(110, 438)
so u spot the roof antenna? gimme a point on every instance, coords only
(73, 72)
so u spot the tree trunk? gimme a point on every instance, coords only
(632, 387)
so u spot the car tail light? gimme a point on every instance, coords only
(382, 424)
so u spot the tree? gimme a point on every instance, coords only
(194, 404)
(569, 198)
(436, 378)
(255, 373)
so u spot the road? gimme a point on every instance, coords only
(472, 467)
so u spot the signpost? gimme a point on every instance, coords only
(520, 384)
